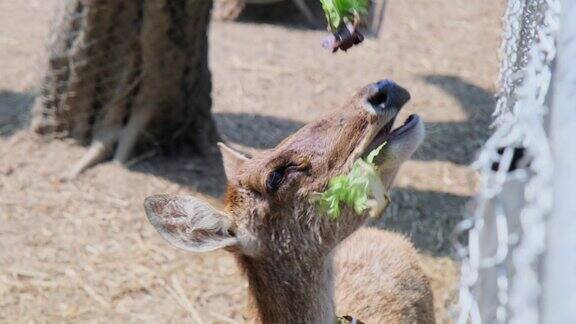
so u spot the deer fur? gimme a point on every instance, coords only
(382, 267)
(302, 266)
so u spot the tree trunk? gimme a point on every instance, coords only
(126, 74)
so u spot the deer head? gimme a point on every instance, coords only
(270, 220)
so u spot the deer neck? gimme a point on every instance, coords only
(291, 289)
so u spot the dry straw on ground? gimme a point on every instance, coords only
(82, 250)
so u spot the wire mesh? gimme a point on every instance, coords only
(90, 47)
(108, 59)
(506, 229)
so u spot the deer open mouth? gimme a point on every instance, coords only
(387, 101)
(388, 134)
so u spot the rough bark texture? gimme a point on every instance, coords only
(123, 74)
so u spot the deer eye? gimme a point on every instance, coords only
(275, 179)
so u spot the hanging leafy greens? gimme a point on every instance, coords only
(344, 18)
(337, 10)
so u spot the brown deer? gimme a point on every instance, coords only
(302, 266)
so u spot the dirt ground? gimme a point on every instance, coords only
(82, 250)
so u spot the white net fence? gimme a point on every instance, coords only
(502, 263)
(86, 66)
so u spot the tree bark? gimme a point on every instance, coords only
(128, 74)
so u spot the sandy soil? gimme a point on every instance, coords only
(83, 250)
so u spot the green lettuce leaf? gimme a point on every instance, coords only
(337, 10)
(360, 189)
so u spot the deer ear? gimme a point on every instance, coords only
(232, 160)
(189, 223)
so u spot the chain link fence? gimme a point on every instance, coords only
(506, 229)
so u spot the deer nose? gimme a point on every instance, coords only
(394, 95)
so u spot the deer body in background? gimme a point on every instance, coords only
(302, 266)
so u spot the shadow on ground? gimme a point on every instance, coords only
(14, 111)
(206, 173)
(458, 142)
(284, 14)
(256, 131)
(427, 217)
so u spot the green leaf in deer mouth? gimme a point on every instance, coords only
(361, 189)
